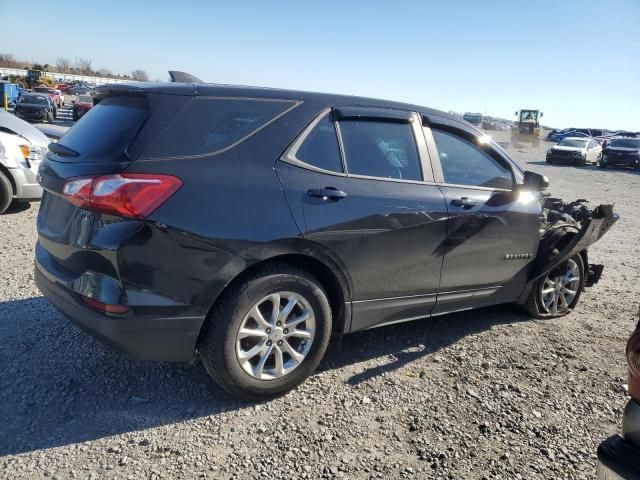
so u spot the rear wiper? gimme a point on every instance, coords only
(62, 150)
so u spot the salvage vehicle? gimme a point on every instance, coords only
(82, 105)
(22, 148)
(35, 107)
(623, 152)
(248, 225)
(619, 455)
(61, 95)
(52, 92)
(575, 150)
(474, 119)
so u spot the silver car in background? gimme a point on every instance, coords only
(22, 148)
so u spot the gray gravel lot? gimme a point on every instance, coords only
(482, 394)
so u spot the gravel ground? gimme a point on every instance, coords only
(483, 394)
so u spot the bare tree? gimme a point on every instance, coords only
(7, 60)
(140, 75)
(84, 65)
(105, 72)
(63, 64)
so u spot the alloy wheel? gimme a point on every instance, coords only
(560, 287)
(276, 335)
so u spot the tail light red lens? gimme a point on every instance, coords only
(131, 195)
(633, 360)
(104, 307)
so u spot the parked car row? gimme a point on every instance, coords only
(617, 151)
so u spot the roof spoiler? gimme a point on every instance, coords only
(183, 77)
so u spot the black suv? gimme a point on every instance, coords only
(621, 152)
(248, 225)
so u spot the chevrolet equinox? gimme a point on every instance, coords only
(246, 226)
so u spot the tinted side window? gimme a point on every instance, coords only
(209, 125)
(380, 149)
(463, 163)
(321, 148)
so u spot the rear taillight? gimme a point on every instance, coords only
(633, 360)
(104, 307)
(131, 195)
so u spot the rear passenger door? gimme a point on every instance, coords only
(361, 188)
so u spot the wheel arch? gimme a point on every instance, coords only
(12, 180)
(330, 276)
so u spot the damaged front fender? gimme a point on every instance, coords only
(569, 228)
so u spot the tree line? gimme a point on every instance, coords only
(81, 66)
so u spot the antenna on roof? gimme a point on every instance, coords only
(183, 77)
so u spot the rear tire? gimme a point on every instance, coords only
(271, 370)
(550, 304)
(6, 193)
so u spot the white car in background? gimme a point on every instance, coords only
(575, 150)
(22, 148)
(61, 93)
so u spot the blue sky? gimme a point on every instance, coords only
(577, 61)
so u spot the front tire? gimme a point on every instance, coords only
(267, 334)
(6, 192)
(557, 293)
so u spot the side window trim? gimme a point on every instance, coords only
(289, 156)
(426, 160)
(438, 172)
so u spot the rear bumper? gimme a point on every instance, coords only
(150, 337)
(619, 457)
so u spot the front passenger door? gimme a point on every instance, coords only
(492, 232)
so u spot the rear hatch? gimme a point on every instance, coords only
(104, 143)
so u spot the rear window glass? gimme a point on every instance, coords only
(103, 134)
(321, 148)
(209, 125)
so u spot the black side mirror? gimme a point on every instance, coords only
(534, 182)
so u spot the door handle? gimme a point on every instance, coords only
(327, 193)
(464, 202)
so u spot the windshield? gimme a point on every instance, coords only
(529, 116)
(85, 99)
(34, 99)
(43, 89)
(625, 143)
(569, 142)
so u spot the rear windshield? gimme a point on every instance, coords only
(209, 125)
(106, 130)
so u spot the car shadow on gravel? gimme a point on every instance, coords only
(17, 207)
(59, 386)
(407, 342)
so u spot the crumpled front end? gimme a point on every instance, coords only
(569, 228)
